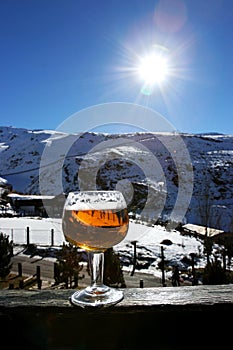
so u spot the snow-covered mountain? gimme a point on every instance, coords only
(168, 176)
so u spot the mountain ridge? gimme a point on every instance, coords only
(157, 171)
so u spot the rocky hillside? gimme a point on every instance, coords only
(166, 176)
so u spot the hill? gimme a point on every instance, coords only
(165, 176)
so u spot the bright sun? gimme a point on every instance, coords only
(153, 69)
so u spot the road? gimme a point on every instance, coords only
(29, 268)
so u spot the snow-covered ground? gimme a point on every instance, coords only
(149, 242)
(40, 230)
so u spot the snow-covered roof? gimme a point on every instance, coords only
(3, 181)
(201, 230)
(28, 197)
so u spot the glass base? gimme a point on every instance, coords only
(97, 296)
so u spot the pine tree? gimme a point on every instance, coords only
(68, 266)
(113, 274)
(6, 253)
(214, 273)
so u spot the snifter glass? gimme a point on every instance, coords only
(95, 221)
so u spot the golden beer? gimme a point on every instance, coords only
(95, 221)
(95, 230)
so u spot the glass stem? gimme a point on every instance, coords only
(96, 264)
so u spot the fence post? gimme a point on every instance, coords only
(28, 238)
(52, 237)
(20, 269)
(39, 282)
(38, 272)
(56, 271)
(134, 243)
(162, 267)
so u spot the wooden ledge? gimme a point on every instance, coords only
(184, 297)
(163, 318)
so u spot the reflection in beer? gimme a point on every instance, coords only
(95, 230)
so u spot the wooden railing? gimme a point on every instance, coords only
(160, 318)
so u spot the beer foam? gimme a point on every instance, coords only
(95, 200)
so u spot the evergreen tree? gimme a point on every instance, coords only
(214, 273)
(6, 253)
(113, 274)
(68, 266)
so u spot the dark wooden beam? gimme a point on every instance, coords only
(163, 318)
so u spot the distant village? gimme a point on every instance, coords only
(16, 204)
(13, 204)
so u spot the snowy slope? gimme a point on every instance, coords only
(149, 242)
(183, 177)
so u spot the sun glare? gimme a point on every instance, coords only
(153, 69)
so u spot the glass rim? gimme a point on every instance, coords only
(95, 191)
(89, 199)
(81, 191)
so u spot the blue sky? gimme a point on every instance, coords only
(59, 57)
